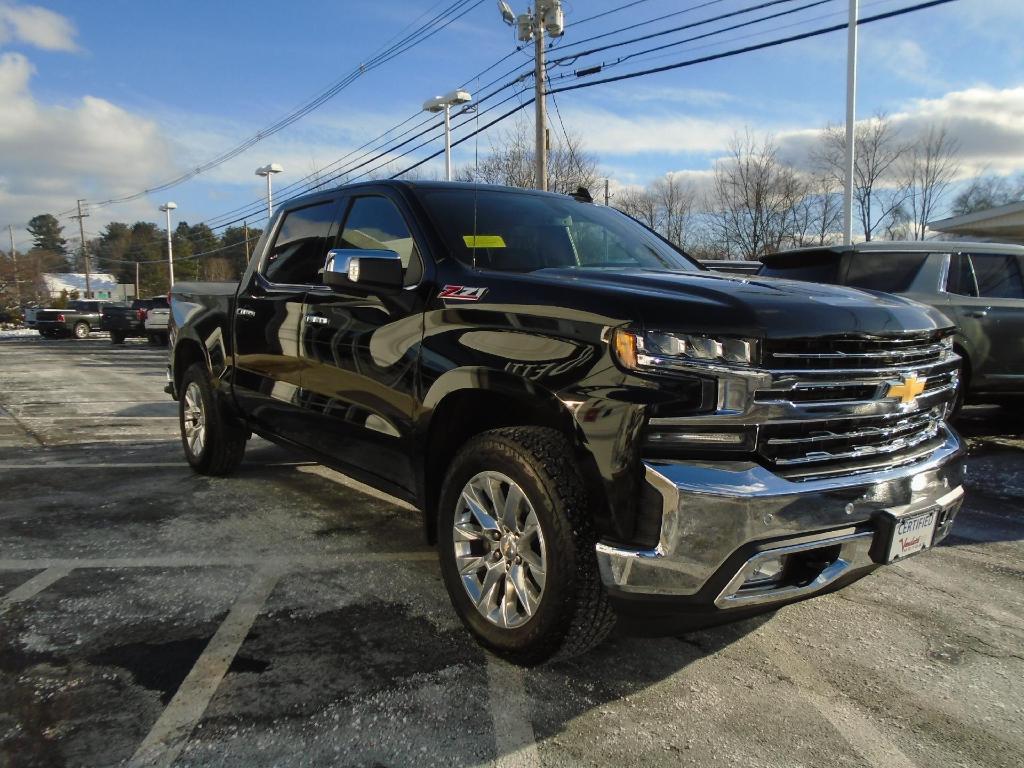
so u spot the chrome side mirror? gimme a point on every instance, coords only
(370, 271)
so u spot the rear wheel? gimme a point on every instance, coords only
(517, 547)
(116, 337)
(81, 329)
(213, 443)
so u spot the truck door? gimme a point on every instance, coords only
(993, 320)
(267, 319)
(363, 349)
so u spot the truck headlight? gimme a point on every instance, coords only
(659, 350)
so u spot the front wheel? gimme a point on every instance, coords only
(517, 547)
(81, 330)
(213, 443)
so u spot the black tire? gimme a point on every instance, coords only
(81, 330)
(152, 339)
(42, 333)
(573, 614)
(223, 444)
(116, 337)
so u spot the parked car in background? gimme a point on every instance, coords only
(734, 266)
(80, 318)
(979, 286)
(156, 324)
(125, 321)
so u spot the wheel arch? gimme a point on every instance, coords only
(466, 402)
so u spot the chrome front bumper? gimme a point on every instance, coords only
(720, 518)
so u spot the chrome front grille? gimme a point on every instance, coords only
(792, 445)
(854, 353)
(857, 399)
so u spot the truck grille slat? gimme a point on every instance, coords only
(853, 353)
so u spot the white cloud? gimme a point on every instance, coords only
(36, 26)
(54, 154)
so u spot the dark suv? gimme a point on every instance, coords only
(979, 286)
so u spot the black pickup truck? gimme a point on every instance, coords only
(593, 425)
(79, 318)
(125, 321)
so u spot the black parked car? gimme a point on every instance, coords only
(124, 321)
(979, 286)
(79, 318)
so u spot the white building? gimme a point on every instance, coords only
(103, 285)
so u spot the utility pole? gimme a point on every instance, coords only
(245, 232)
(851, 121)
(546, 17)
(85, 251)
(540, 101)
(14, 260)
(606, 193)
(136, 279)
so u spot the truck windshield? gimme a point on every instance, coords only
(523, 232)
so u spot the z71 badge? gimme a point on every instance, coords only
(462, 293)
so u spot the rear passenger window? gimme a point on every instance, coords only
(883, 271)
(298, 254)
(961, 277)
(998, 275)
(375, 223)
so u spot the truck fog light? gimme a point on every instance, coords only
(767, 571)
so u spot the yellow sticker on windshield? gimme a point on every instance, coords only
(484, 241)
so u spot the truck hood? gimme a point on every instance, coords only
(751, 306)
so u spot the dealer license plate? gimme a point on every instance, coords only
(912, 534)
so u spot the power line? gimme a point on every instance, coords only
(439, 22)
(757, 47)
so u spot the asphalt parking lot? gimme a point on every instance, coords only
(149, 616)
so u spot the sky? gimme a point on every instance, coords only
(107, 98)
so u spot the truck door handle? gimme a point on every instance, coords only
(245, 313)
(317, 320)
(977, 313)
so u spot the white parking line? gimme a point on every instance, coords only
(858, 731)
(513, 731)
(171, 731)
(35, 585)
(209, 561)
(134, 465)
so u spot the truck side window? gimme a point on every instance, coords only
(883, 271)
(998, 275)
(961, 276)
(375, 223)
(299, 252)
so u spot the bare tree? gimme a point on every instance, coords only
(753, 196)
(638, 203)
(988, 191)
(511, 162)
(931, 165)
(817, 217)
(674, 199)
(877, 188)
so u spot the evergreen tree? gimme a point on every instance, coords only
(46, 234)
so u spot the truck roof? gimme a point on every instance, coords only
(906, 246)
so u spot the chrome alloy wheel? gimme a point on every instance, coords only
(499, 549)
(194, 420)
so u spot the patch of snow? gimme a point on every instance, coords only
(17, 333)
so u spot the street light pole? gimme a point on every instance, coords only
(14, 261)
(167, 208)
(268, 171)
(445, 104)
(851, 121)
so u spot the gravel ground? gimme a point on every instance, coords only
(149, 616)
